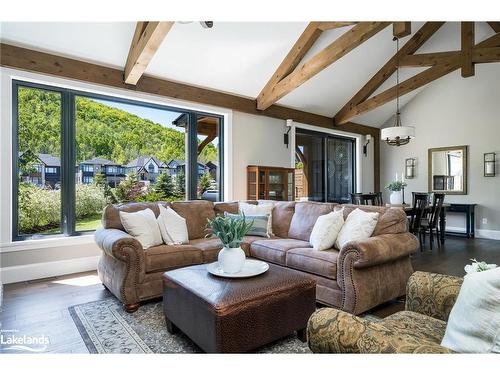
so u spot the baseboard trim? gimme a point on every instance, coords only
(28, 272)
(488, 233)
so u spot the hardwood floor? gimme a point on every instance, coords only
(41, 307)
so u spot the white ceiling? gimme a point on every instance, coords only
(239, 57)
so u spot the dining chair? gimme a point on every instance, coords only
(430, 223)
(419, 212)
(370, 199)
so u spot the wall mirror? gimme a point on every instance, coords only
(448, 170)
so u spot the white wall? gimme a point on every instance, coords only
(455, 111)
(256, 140)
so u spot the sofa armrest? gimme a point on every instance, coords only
(335, 331)
(119, 244)
(381, 249)
(432, 294)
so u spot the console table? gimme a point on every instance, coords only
(468, 210)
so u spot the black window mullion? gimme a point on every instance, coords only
(68, 160)
(192, 157)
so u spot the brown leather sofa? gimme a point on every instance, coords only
(355, 278)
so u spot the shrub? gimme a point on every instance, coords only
(40, 208)
(164, 185)
(130, 189)
(204, 183)
(89, 200)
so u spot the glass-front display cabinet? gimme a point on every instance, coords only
(270, 183)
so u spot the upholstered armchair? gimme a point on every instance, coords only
(419, 329)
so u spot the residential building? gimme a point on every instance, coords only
(44, 170)
(112, 172)
(148, 168)
(176, 166)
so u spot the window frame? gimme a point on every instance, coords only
(68, 152)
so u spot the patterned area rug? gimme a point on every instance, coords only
(106, 328)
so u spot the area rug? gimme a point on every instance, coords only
(106, 328)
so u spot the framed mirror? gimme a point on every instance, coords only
(448, 170)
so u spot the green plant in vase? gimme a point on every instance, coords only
(396, 187)
(230, 230)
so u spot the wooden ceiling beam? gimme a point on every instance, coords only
(467, 43)
(306, 40)
(495, 26)
(429, 59)
(146, 41)
(405, 87)
(323, 26)
(44, 63)
(492, 41)
(401, 29)
(338, 48)
(486, 55)
(415, 42)
(479, 55)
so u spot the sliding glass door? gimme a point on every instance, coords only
(325, 167)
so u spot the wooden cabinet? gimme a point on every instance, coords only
(270, 183)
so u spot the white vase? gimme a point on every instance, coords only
(231, 259)
(396, 197)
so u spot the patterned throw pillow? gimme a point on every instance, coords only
(263, 208)
(259, 226)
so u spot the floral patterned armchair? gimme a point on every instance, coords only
(419, 329)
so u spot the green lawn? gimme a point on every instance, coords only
(88, 223)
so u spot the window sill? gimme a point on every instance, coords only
(46, 243)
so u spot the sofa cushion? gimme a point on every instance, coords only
(281, 218)
(222, 207)
(321, 263)
(274, 250)
(209, 247)
(111, 213)
(167, 257)
(247, 241)
(304, 218)
(390, 220)
(196, 214)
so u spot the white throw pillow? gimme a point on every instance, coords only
(173, 226)
(259, 210)
(474, 322)
(358, 226)
(326, 230)
(143, 226)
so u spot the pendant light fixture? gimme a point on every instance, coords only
(397, 135)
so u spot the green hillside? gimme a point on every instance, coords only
(102, 131)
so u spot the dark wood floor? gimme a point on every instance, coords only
(41, 307)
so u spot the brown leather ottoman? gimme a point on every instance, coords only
(237, 315)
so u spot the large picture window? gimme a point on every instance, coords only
(76, 152)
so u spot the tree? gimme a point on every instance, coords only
(204, 183)
(100, 181)
(130, 189)
(164, 185)
(180, 184)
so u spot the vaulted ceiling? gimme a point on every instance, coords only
(239, 58)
